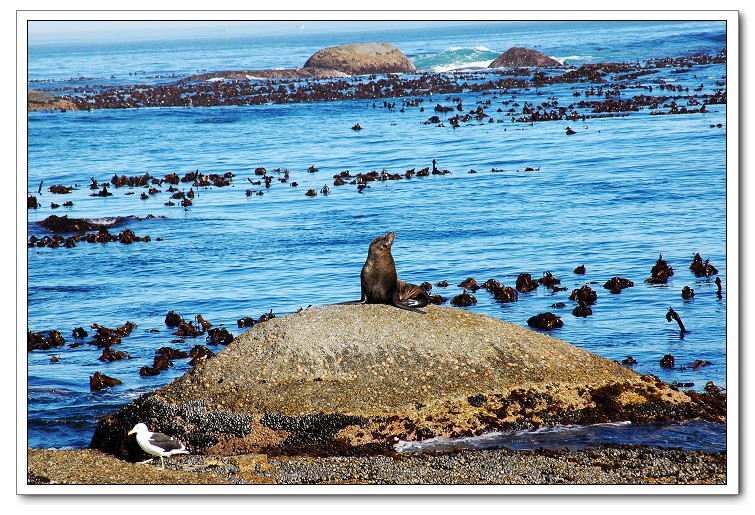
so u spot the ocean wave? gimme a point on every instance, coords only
(456, 58)
(569, 59)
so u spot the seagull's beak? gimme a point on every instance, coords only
(132, 431)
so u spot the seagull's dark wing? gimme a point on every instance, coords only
(164, 442)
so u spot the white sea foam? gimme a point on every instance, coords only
(479, 48)
(104, 221)
(572, 58)
(496, 439)
(461, 66)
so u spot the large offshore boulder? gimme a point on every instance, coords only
(362, 59)
(517, 56)
(37, 100)
(342, 379)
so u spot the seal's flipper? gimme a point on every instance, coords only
(412, 295)
(363, 300)
(409, 306)
(350, 303)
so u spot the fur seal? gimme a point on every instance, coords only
(380, 282)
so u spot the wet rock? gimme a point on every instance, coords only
(580, 270)
(667, 361)
(362, 59)
(40, 101)
(516, 57)
(345, 379)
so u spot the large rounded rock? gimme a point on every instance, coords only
(37, 100)
(518, 56)
(362, 59)
(342, 378)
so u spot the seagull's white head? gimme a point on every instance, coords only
(139, 428)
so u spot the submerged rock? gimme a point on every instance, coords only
(345, 379)
(518, 56)
(362, 59)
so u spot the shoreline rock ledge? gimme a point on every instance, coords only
(354, 379)
(362, 59)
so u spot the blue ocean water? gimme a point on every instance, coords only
(612, 197)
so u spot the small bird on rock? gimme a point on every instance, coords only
(157, 444)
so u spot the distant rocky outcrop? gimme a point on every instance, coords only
(362, 59)
(517, 56)
(357, 378)
(40, 101)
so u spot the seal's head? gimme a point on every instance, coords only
(383, 243)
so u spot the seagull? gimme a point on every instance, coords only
(157, 444)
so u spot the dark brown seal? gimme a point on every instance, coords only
(380, 282)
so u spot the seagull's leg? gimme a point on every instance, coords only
(162, 463)
(146, 461)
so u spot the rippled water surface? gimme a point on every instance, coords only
(694, 435)
(612, 197)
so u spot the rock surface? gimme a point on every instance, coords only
(40, 101)
(362, 59)
(345, 379)
(636, 465)
(519, 56)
